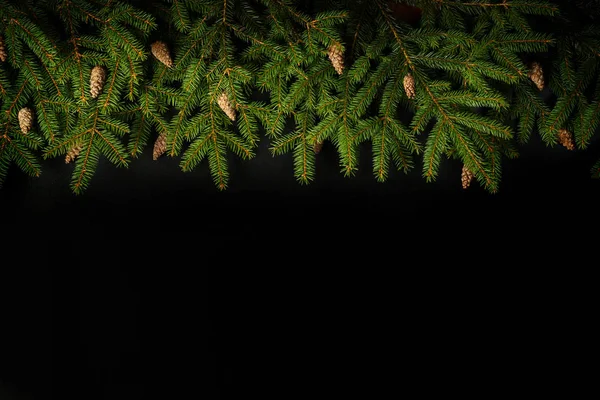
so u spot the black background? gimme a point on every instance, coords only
(153, 284)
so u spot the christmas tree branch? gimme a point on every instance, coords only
(346, 71)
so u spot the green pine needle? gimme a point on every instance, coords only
(472, 99)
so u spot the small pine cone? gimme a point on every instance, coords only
(97, 80)
(409, 86)
(160, 146)
(25, 119)
(466, 177)
(72, 154)
(337, 58)
(160, 50)
(3, 53)
(225, 105)
(318, 147)
(536, 74)
(566, 139)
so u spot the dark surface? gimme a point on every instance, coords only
(155, 285)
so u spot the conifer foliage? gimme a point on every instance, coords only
(83, 79)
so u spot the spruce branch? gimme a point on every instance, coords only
(96, 135)
(448, 125)
(451, 84)
(301, 147)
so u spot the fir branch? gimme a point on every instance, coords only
(434, 149)
(461, 60)
(175, 138)
(285, 143)
(42, 48)
(303, 161)
(24, 158)
(139, 137)
(48, 121)
(17, 98)
(471, 99)
(52, 79)
(465, 147)
(76, 54)
(181, 21)
(217, 163)
(79, 183)
(589, 125)
(564, 107)
(110, 89)
(402, 160)
(196, 152)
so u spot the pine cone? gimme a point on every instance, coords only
(318, 147)
(337, 58)
(3, 53)
(25, 119)
(160, 50)
(72, 154)
(409, 86)
(97, 80)
(225, 105)
(466, 177)
(536, 74)
(566, 139)
(160, 146)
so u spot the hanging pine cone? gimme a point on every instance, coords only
(566, 139)
(225, 105)
(466, 177)
(536, 74)
(160, 146)
(25, 119)
(318, 147)
(72, 154)
(409, 86)
(337, 58)
(160, 50)
(97, 80)
(3, 53)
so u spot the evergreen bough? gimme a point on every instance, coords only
(453, 82)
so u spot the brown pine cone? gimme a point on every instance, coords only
(337, 58)
(536, 74)
(566, 139)
(223, 102)
(160, 50)
(409, 86)
(160, 146)
(3, 54)
(72, 154)
(318, 147)
(97, 80)
(466, 177)
(25, 119)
